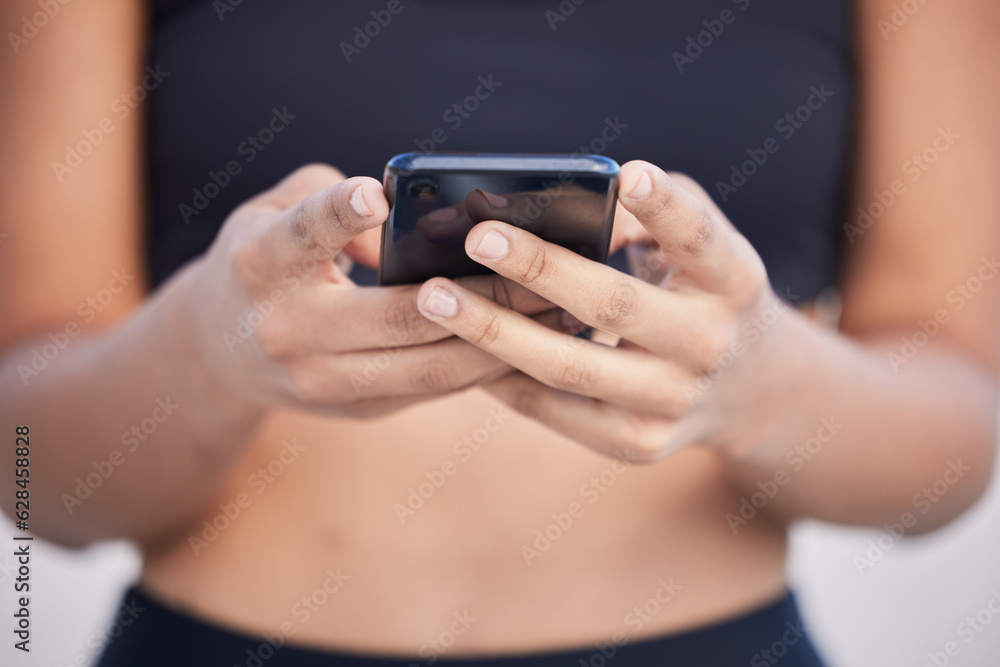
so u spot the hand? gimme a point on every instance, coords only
(277, 321)
(654, 391)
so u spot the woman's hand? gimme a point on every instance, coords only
(277, 322)
(655, 391)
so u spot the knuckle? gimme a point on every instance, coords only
(404, 321)
(715, 350)
(574, 375)
(536, 266)
(666, 203)
(650, 440)
(700, 235)
(618, 304)
(302, 228)
(434, 375)
(250, 262)
(336, 210)
(712, 350)
(272, 340)
(749, 282)
(319, 220)
(309, 386)
(488, 333)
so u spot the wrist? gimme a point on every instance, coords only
(756, 404)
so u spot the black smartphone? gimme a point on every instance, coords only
(436, 199)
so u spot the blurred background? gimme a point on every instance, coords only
(902, 610)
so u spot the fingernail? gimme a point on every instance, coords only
(642, 188)
(442, 215)
(492, 246)
(440, 303)
(495, 201)
(358, 203)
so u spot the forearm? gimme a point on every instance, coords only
(854, 438)
(129, 435)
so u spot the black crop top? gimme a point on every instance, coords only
(753, 99)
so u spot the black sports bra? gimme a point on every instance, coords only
(753, 99)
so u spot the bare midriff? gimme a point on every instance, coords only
(460, 520)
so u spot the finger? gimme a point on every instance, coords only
(628, 230)
(612, 430)
(698, 241)
(562, 214)
(624, 377)
(505, 293)
(648, 264)
(321, 225)
(665, 322)
(378, 317)
(442, 367)
(298, 185)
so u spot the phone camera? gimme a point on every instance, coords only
(423, 188)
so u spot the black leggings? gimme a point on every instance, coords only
(155, 636)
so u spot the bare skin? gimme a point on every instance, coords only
(333, 505)
(462, 550)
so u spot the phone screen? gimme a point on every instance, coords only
(433, 211)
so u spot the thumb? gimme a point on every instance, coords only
(628, 231)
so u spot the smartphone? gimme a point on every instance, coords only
(436, 199)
